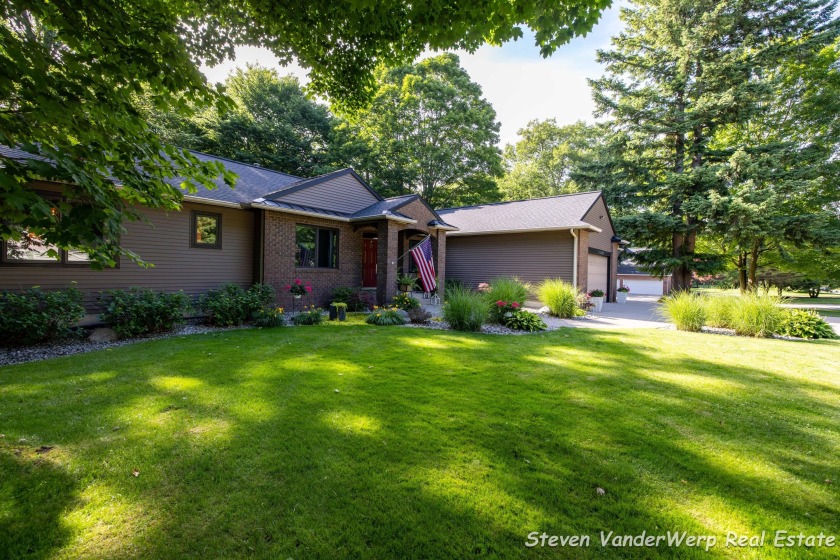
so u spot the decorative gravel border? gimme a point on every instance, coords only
(11, 356)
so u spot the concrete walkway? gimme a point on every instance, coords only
(638, 313)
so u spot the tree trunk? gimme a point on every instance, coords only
(753, 267)
(742, 271)
(683, 245)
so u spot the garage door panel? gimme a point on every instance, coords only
(644, 287)
(598, 273)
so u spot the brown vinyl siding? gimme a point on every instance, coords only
(532, 257)
(599, 217)
(342, 194)
(165, 242)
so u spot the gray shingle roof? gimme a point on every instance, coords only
(555, 212)
(253, 182)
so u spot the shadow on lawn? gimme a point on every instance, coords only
(34, 493)
(435, 446)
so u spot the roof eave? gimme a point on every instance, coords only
(587, 227)
(265, 206)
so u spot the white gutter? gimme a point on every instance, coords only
(198, 200)
(573, 231)
(495, 232)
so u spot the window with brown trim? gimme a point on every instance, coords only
(316, 247)
(205, 230)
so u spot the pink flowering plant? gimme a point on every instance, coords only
(502, 309)
(299, 287)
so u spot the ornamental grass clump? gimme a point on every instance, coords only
(719, 311)
(685, 310)
(507, 288)
(465, 310)
(561, 298)
(757, 315)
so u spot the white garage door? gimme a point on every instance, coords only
(644, 287)
(599, 272)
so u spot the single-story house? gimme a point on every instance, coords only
(640, 282)
(333, 230)
(568, 236)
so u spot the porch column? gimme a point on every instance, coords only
(583, 260)
(386, 274)
(439, 250)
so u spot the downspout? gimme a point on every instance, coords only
(574, 257)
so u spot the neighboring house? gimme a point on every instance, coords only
(640, 282)
(568, 236)
(333, 230)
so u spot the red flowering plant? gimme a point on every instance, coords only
(299, 288)
(502, 309)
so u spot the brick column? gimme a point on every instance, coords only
(386, 275)
(613, 278)
(439, 250)
(583, 260)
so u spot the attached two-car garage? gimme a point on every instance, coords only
(568, 236)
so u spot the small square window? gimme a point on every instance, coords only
(206, 230)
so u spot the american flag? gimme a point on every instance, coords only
(422, 254)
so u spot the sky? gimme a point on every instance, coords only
(515, 79)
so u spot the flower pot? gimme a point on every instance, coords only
(333, 313)
(597, 303)
(296, 296)
(405, 287)
(621, 297)
(342, 314)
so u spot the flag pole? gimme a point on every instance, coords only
(407, 252)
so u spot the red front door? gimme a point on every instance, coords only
(369, 257)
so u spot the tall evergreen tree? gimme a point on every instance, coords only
(681, 72)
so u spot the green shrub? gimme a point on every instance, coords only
(719, 310)
(465, 310)
(804, 323)
(561, 298)
(522, 320)
(269, 317)
(138, 311)
(311, 316)
(685, 310)
(405, 302)
(36, 315)
(230, 305)
(419, 316)
(356, 299)
(508, 289)
(407, 280)
(757, 315)
(385, 317)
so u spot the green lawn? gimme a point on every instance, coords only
(360, 442)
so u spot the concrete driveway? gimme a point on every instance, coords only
(640, 312)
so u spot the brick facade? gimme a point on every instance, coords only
(279, 259)
(583, 260)
(279, 254)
